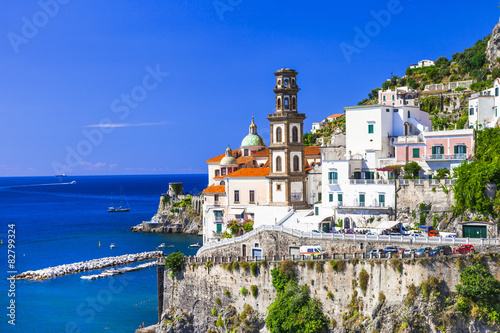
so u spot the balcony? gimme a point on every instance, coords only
(443, 157)
(410, 139)
(372, 181)
(435, 182)
(333, 181)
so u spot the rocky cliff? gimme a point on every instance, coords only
(493, 49)
(411, 295)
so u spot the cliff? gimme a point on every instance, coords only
(378, 295)
(493, 48)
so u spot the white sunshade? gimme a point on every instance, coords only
(387, 225)
(236, 211)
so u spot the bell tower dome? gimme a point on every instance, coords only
(286, 149)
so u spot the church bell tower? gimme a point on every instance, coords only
(286, 149)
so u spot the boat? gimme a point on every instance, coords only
(120, 209)
(112, 246)
(61, 175)
(195, 245)
(73, 182)
(170, 246)
(161, 246)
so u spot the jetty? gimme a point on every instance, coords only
(51, 272)
(113, 272)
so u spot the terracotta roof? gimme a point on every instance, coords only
(220, 157)
(307, 169)
(219, 177)
(244, 159)
(261, 153)
(250, 172)
(336, 115)
(267, 164)
(215, 189)
(312, 150)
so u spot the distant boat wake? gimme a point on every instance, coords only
(36, 185)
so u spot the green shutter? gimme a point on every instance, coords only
(339, 197)
(416, 152)
(219, 227)
(330, 197)
(370, 129)
(381, 198)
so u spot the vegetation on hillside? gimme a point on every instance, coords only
(335, 126)
(472, 177)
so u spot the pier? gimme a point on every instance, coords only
(51, 272)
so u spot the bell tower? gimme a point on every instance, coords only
(286, 149)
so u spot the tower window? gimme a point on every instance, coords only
(279, 82)
(287, 103)
(294, 102)
(279, 103)
(246, 152)
(295, 134)
(278, 163)
(286, 82)
(293, 82)
(296, 163)
(278, 134)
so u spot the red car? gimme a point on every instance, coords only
(464, 249)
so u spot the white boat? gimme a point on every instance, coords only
(112, 246)
(195, 245)
(120, 209)
(161, 246)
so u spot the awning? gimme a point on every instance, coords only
(236, 211)
(387, 225)
(315, 218)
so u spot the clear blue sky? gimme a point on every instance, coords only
(65, 73)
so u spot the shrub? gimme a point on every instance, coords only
(219, 323)
(244, 291)
(264, 263)
(245, 265)
(282, 275)
(227, 293)
(171, 275)
(254, 268)
(174, 262)
(319, 267)
(229, 267)
(218, 301)
(310, 264)
(214, 311)
(479, 285)
(208, 264)
(338, 265)
(396, 264)
(412, 295)
(355, 261)
(381, 297)
(363, 279)
(254, 289)
(333, 323)
(329, 295)
(236, 265)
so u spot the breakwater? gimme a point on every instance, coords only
(51, 272)
(113, 272)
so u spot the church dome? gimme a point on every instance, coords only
(228, 159)
(253, 139)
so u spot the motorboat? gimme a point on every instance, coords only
(112, 246)
(195, 245)
(161, 246)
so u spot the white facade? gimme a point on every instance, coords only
(423, 63)
(483, 107)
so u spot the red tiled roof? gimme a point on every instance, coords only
(336, 115)
(220, 157)
(244, 159)
(250, 172)
(312, 150)
(215, 189)
(262, 153)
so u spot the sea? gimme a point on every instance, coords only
(56, 222)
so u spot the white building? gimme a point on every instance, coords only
(483, 107)
(423, 63)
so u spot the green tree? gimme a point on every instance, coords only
(442, 62)
(283, 274)
(413, 169)
(174, 262)
(442, 173)
(294, 311)
(480, 286)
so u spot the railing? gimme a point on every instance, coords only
(333, 181)
(286, 217)
(372, 181)
(419, 182)
(435, 182)
(446, 157)
(449, 181)
(404, 182)
(410, 139)
(354, 237)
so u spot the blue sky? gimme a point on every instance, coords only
(176, 81)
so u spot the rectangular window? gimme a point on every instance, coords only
(387, 110)
(330, 197)
(381, 200)
(409, 114)
(384, 98)
(357, 175)
(416, 152)
(395, 110)
(251, 195)
(217, 173)
(236, 196)
(223, 171)
(340, 199)
(333, 178)
(219, 228)
(393, 97)
(316, 211)
(218, 215)
(496, 91)
(361, 200)
(369, 175)
(471, 112)
(319, 196)
(437, 152)
(496, 112)
(460, 151)
(216, 198)
(278, 187)
(370, 128)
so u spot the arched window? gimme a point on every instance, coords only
(278, 134)
(294, 102)
(286, 82)
(293, 82)
(279, 103)
(295, 134)
(296, 163)
(279, 83)
(287, 103)
(278, 163)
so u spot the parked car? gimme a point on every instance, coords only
(395, 234)
(451, 236)
(437, 250)
(391, 249)
(408, 252)
(375, 253)
(465, 249)
(421, 252)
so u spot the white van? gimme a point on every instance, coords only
(310, 251)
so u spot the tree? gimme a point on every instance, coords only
(413, 169)
(479, 285)
(442, 173)
(174, 262)
(442, 62)
(387, 85)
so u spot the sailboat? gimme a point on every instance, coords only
(120, 209)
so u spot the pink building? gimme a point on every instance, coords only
(398, 96)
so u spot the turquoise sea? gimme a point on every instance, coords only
(59, 223)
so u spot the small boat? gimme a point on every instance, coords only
(112, 246)
(170, 246)
(73, 182)
(62, 175)
(161, 246)
(120, 209)
(195, 245)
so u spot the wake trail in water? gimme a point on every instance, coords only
(36, 185)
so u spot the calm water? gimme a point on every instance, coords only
(59, 224)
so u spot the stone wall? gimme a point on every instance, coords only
(194, 293)
(410, 196)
